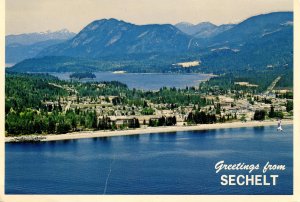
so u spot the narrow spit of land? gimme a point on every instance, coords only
(93, 134)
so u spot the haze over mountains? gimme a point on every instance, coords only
(203, 29)
(109, 44)
(23, 46)
(258, 27)
(31, 38)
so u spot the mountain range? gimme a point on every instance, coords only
(256, 27)
(24, 46)
(110, 44)
(203, 29)
(111, 37)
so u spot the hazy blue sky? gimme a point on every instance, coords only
(23, 16)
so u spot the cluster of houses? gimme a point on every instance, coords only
(244, 107)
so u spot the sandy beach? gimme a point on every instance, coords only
(165, 129)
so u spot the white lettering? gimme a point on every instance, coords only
(274, 177)
(268, 167)
(239, 180)
(249, 180)
(219, 166)
(224, 180)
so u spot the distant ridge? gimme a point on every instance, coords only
(23, 46)
(203, 29)
(113, 45)
(256, 27)
(109, 37)
(31, 38)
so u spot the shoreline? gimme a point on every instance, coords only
(148, 130)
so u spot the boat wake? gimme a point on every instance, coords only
(108, 175)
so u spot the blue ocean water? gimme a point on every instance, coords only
(147, 81)
(160, 163)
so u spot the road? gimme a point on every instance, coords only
(68, 106)
(273, 84)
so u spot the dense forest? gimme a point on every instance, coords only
(25, 91)
(82, 75)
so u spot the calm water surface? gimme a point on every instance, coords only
(149, 81)
(160, 163)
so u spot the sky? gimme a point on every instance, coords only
(25, 16)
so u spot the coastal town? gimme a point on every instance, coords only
(65, 107)
(276, 104)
